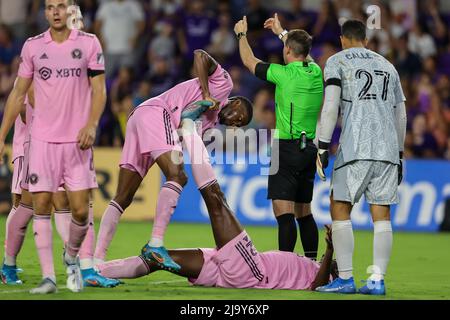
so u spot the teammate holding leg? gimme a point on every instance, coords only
(151, 137)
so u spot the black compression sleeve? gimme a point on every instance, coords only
(261, 70)
(94, 73)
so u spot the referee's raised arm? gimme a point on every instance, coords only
(248, 58)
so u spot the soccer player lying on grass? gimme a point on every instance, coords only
(234, 263)
(151, 137)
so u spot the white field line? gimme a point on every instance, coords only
(64, 287)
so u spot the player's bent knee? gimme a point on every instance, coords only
(80, 214)
(179, 177)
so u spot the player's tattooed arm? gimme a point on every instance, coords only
(248, 58)
(86, 136)
(323, 275)
(204, 66)
(13, 106)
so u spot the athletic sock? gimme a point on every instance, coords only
(108, 227)
(76, 236)
(200, 163)
(167, 202)
(42, 228)
(88, 245)
(129, 268)
(287, 232)
(16, 228)
(8, 219)
(382, 247)
(343, 243)
(62, 223)
(309, 235)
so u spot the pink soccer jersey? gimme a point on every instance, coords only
(239, 265)
(176, 99)
(61, 83)
(287, 270)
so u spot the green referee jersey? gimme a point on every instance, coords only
(298, 98)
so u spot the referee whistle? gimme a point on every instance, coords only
(303, 140)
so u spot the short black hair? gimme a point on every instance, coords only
(300, 42)
(248, 105)
(354, 29)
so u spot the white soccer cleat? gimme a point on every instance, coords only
(74, 278)
(47, 286)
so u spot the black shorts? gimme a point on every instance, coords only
(294, 179)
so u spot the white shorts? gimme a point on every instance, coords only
(377, 180)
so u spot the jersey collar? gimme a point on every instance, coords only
(48, 37)
(302, 63)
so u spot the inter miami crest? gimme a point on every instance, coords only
(34, 178)
(76, 54)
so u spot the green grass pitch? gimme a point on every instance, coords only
(419, 267)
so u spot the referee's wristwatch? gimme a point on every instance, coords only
(240, 35)
(282, 34)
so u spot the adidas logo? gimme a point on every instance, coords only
(44, 56)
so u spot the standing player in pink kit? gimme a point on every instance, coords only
(17, 222)
(67, 69)
(151, 137)
(235, 262)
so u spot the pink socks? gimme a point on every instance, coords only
(108, 227)
(16, 227)
(167, 202)
(129, 268)
(42, 228)
(201, 167)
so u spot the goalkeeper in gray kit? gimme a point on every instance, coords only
(367, 89)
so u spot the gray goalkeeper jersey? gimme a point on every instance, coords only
(371, 89)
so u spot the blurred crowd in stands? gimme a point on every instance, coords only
(148, 46)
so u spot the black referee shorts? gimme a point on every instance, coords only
(294, 179)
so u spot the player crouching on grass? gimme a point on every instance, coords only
(235, 262)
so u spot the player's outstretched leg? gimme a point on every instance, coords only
(189, 260)
(129, 182)
(224, 224)
(382, 248)
(343, 243)
(168, 197)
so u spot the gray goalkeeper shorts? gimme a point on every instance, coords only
(377, 180)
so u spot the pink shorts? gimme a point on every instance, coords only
(150, 133)
(18, 164)
(53, 165)
(26, 156)
(235, 265)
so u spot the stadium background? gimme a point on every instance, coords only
(148, 48)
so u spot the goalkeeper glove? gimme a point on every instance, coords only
(196, 109)
(322, 160)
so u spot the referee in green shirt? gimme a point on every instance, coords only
(298, 99)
